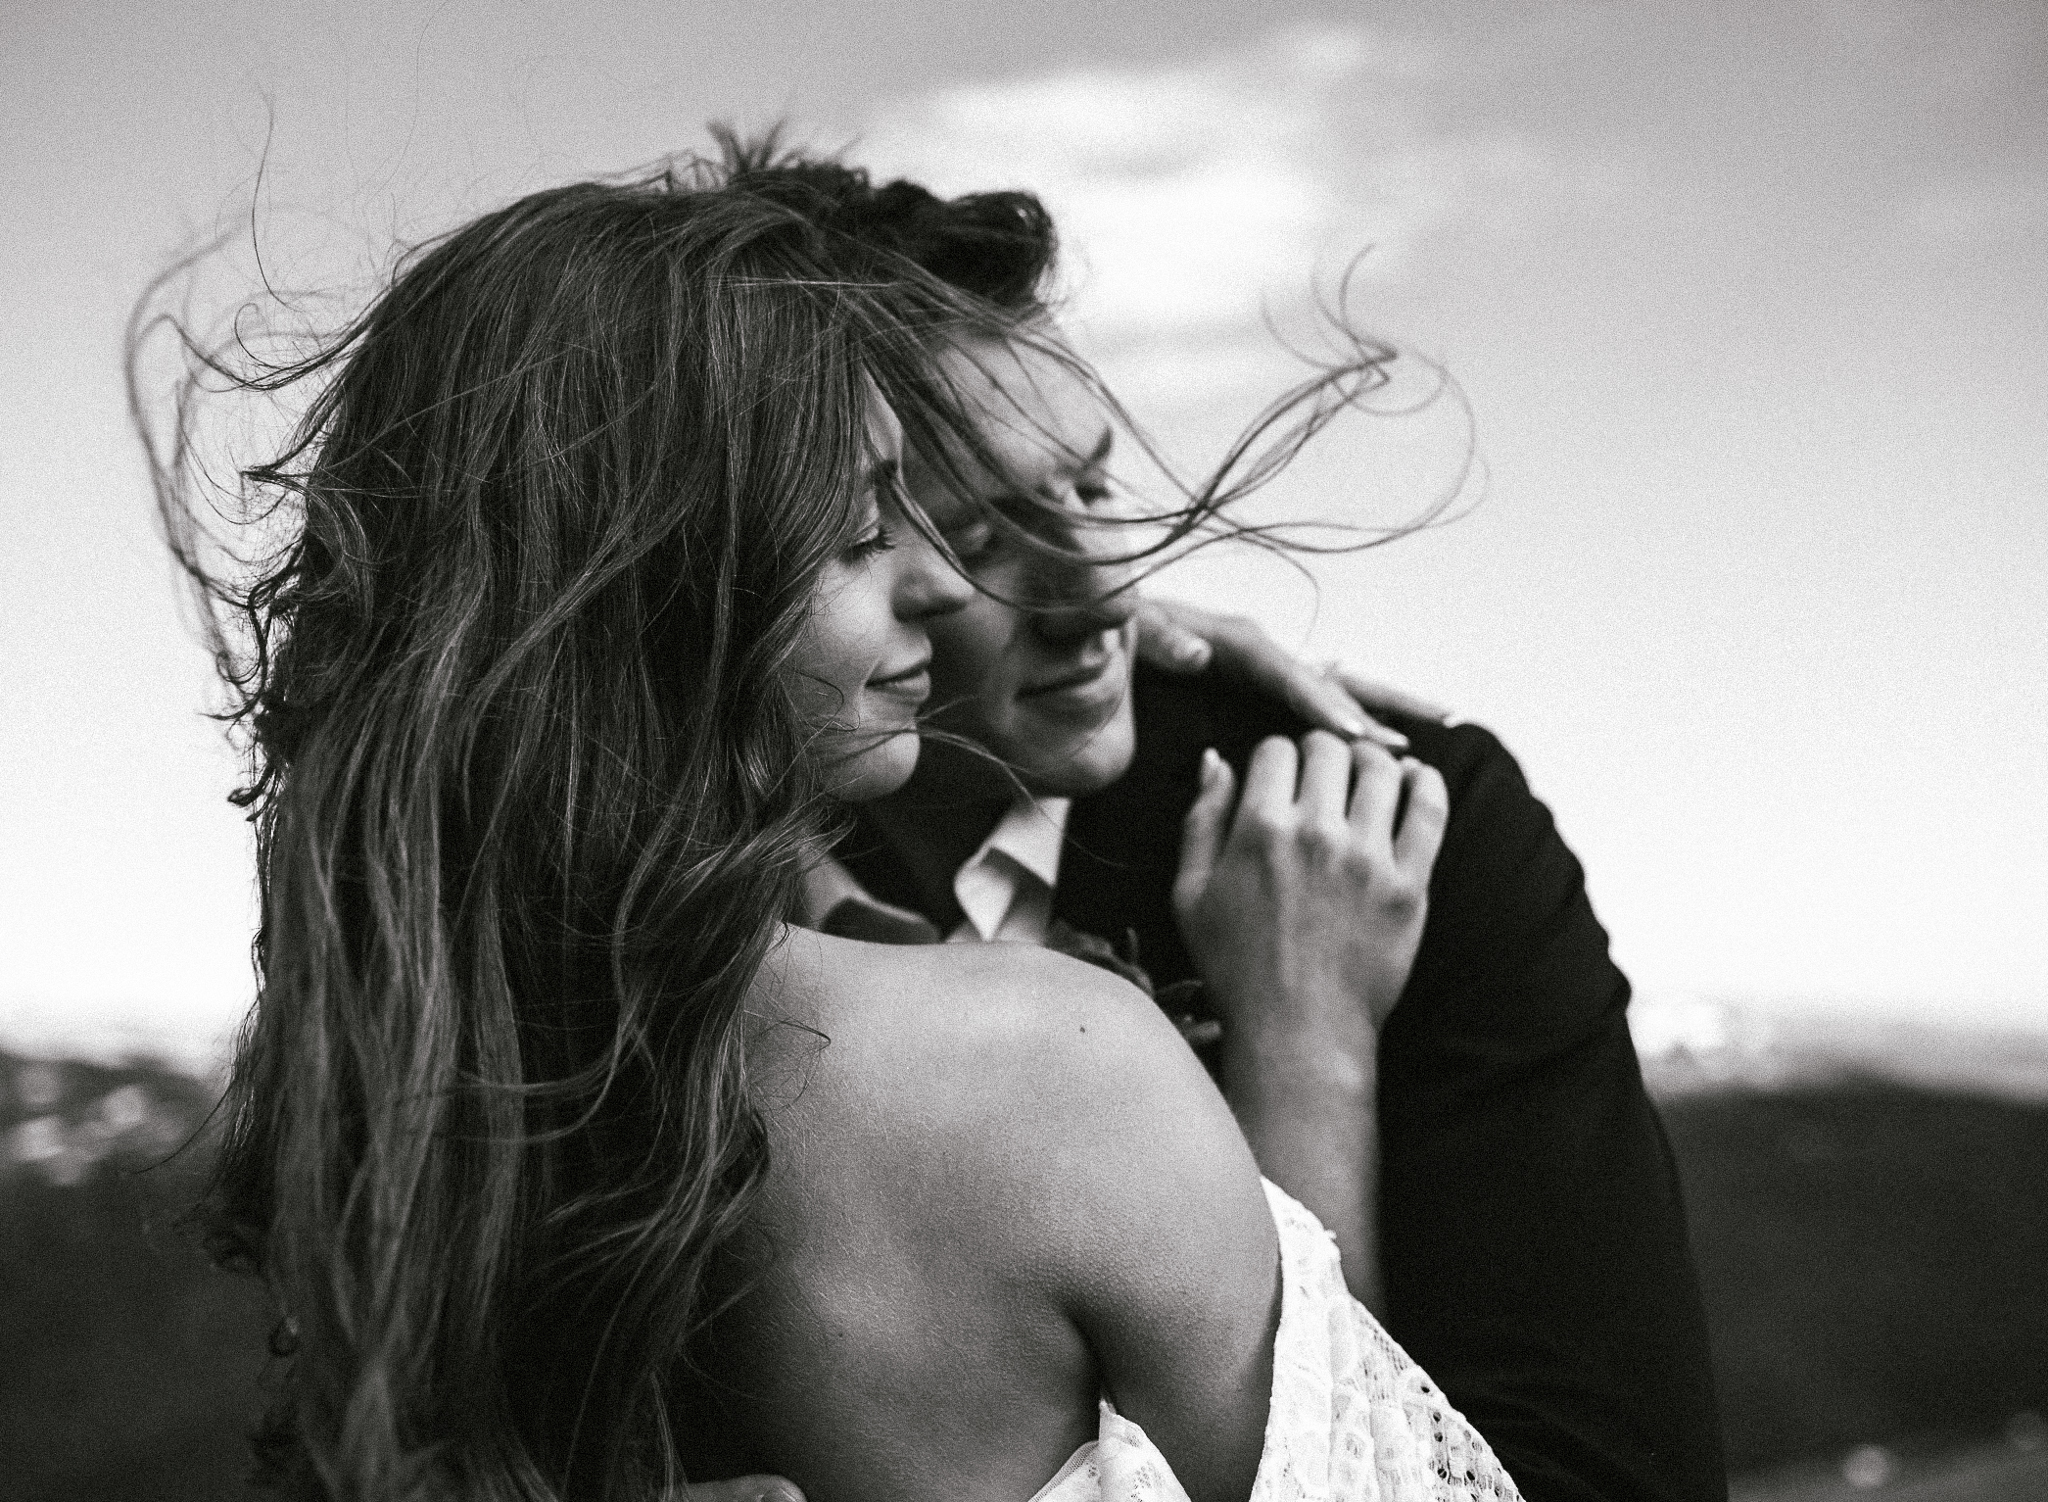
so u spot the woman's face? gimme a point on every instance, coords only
(863, 661)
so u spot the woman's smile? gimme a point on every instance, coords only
(913, 684)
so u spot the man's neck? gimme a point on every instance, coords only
(936, 822)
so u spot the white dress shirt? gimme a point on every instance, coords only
(1005, 887)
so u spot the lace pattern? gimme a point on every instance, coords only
(1353, 1419)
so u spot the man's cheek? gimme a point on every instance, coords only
(969, 647)
(961, 698)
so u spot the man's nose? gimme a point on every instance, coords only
(1090, 589)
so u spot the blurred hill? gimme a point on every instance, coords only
(1869, 1207)
(1692, 1046)
(129, 1367)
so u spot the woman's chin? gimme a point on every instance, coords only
(876, 769)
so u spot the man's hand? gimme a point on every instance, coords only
(739, 1489)
(1306, 908)
(1180, 638)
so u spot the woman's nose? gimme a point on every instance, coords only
(926, 584)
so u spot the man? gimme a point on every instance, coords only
(1530, 1230)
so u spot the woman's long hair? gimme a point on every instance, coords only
(530, 788)
(530, 792)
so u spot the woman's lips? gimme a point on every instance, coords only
(912, 683)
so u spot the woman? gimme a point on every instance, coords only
(574, 1169)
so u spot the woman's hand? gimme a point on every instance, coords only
(1305, 908)
(1303, 911)
(1180, 638)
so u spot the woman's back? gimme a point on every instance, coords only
(1001, 1186)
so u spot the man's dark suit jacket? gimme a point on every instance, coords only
(1533, 1241)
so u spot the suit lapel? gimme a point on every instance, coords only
(876, 866)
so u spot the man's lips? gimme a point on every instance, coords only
(1078, 676)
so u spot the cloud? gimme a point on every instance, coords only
(1191, 197)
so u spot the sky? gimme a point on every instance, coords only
(1742, 307)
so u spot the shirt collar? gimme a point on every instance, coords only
(1032, 834)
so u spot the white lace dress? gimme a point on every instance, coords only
(1352, 1418)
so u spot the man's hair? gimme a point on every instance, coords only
(999, 247)
(1000, 250)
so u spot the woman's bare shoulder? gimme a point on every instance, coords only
(1046, 1105)
(950, 1036)
(1013, 1142)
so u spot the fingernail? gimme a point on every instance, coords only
(1211, 765)
(1193, 651)
(1353, 725)
(782, 1494)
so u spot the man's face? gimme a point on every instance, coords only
(1045, 684)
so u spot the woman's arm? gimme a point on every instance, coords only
(1167, 1261)
(1304, 909)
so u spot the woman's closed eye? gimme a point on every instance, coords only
(878, 539)
(885, 489)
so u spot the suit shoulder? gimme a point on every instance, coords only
(1502, 852)
(1180, 714)
(1469, 756)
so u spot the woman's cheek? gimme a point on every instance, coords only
(829, 646)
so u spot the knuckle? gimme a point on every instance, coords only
(1403, 895)
(1264, 827)
(1323, 843)
(1370, 756)
(1358, 863)
(1433, 809)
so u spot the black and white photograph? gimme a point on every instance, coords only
(1057, 752)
